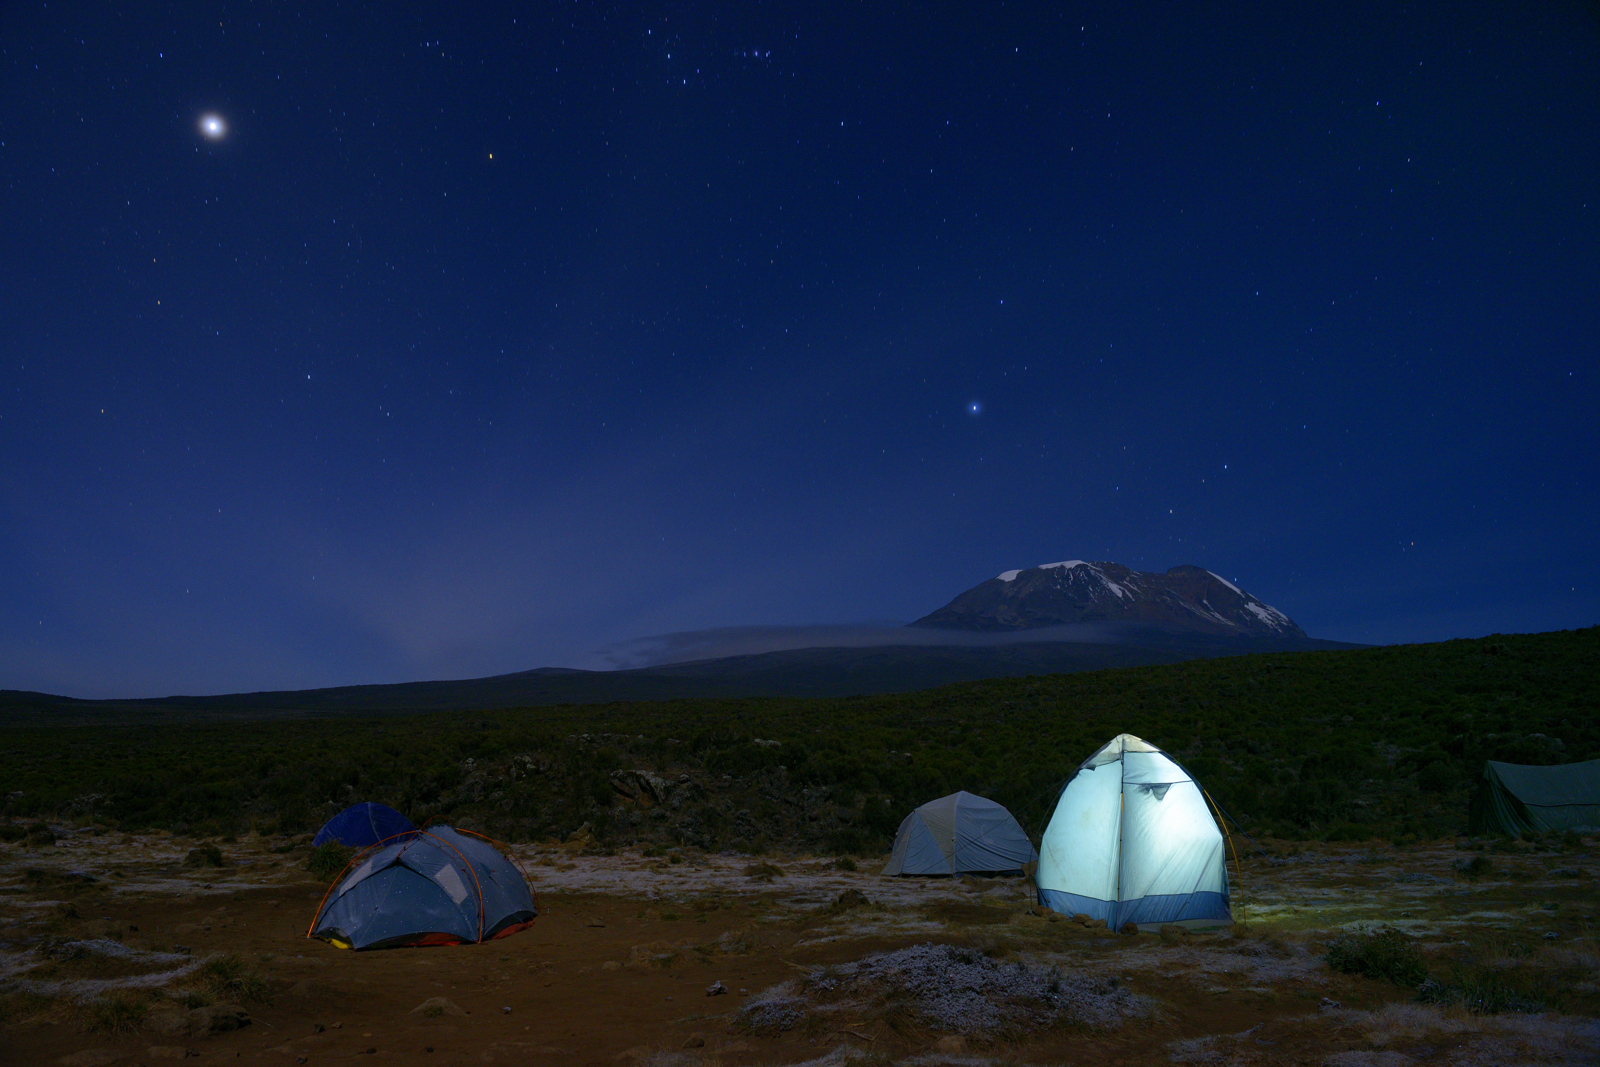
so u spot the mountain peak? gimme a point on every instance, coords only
(1186, 599)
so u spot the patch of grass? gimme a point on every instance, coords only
(1475, 868)
(118, 1012)
(205, 856)
(326, 861)
(844, 863)
(230, 976)
(1386, 954)
(763, 872)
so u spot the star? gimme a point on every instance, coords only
(212, 126)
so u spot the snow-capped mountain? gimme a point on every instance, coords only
(1186, 599)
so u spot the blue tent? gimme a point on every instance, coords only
(958, 833)
(361, 825)
(436, 886)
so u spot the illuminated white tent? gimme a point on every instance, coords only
(1131, 840)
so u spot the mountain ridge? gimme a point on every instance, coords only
(1187, 599)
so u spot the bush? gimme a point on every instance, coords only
(1475, 868)
(326, 861)
(1387, 954)
(205, 856)
(231, 977)
(12, 832)
(118, 1012)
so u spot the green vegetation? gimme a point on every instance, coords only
(204, 856)
(1386, 954)
(328, 860)
(1349, 745)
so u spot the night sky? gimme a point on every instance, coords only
(366, 343)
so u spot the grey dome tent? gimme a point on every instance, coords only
(1131, 840)
(1515, 798)
(959, 833)
(439, 886)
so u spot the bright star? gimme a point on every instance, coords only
(974, 408)
(212, 126)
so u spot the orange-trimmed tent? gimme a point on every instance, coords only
(437, 886)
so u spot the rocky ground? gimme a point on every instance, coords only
(115, 950)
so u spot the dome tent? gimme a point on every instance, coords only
(438, 886)
(957, 834)
(1518, 798)
(1131, 840)
(361, 825)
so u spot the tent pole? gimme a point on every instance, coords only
(1233, 848)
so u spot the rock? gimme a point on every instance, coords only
(218, 1019)
(611, 965)
(950, 1045)
(595, 924)
(695, 1041)
(506, 1010)
(167, 1020)
(435, 1007)
(1328, 1004)
(1551, 935)
(1173, 932)
(1129, 929)
(716, 989)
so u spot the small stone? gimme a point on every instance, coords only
(695, 1041)
(950, 1045)
(594, 924)
(317, 1028)
(1129, 929)
(338, 1026)
(506, 1010)
(1328, 1004)
(1551, 935)
(1173, 932)
(716, 989)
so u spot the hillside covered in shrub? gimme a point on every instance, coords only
(1332, 744)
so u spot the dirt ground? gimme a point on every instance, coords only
(109, 948)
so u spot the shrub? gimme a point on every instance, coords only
(763, 872)
(205, 856)
(1386, 953)
(230, 976)
(12, 832)
(326, 861)
(118, 1012)
(1475, 868)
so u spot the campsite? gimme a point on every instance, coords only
(717, 895)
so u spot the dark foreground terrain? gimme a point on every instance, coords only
(112, 951)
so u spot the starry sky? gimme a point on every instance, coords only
(351, 343)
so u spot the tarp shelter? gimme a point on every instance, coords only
(1514, 798)
(1132, 840)
(438, 886)
(957, 834)
(361, 825)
